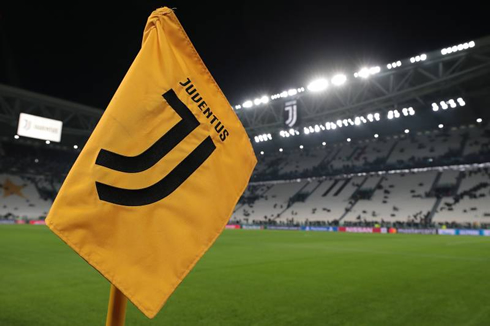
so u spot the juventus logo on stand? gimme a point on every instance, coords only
(147, 159)
(291, 110)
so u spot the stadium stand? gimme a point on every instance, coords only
(434, 196)
(394, 180)
(25, 197)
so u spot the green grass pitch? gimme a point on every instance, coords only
(264, 278)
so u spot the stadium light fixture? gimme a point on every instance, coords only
(48, 142)
(16, 137)
(301, 146)
(247, 104)
(461, 102)
(238, 107)
(451, 103)
(318, 85)
(441, 126)
(366, 72)
(262, 138)
(280, 150)
(292, 92)
(324, 143)
(407, 131)
(479, 120)
(457, 48)
(75, 146)
(261, 152)
(36, 160)
(363, 73)
(374, 70)
(257, 101)
(435, 107)
(339, 79)
(348, 140)
(376, 135)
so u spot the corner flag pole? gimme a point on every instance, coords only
(116, 313)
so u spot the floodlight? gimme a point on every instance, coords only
(318, 85)
(364, 73)
(339, 79)
(247, 104)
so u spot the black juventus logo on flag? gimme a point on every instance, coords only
(145, 160)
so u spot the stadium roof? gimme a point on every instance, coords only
(405, 87)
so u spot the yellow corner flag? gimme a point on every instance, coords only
(160, 175)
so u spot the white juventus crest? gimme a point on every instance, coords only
(292, 113)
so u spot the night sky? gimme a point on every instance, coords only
(81, 53)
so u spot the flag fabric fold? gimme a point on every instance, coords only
(159, 177)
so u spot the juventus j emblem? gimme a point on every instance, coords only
(291, 110)
(147, 159)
